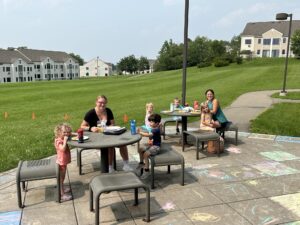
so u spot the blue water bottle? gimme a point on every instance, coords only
(133, 127)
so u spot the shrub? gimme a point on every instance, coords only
(204, 64)
(239, 60)
(221, 62)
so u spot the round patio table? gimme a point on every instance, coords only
(103, 141)
(184, 115)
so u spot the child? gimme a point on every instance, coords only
(153, 145)
(62, 132)
(206, 122)
(177, 106)
(149, 111)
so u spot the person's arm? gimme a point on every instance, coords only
(144, 134)
(86, 126)
(215, 106)
(63, 146)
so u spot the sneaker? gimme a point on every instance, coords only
(111, 170)
(66, 197)
(126, 167)
(145, 175)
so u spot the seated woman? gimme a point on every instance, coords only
(219, 119)
(101, 113)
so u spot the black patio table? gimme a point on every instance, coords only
(103, 141)
(184, 115)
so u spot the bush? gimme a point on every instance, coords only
(221, 62)
(204, 64)
(239, 60)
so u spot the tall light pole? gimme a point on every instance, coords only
(284, 16)
(185, 49)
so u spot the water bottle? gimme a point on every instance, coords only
(172, 107)
(133, 127)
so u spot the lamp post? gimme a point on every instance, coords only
(185, 49)
(284, 16)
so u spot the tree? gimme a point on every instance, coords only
(143, 64)
(199, 51)
(78, 58)
(128, 64)
(235, 45)
(295, 43)
(218, 48)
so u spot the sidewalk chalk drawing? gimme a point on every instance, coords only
(246, 172)
(290, 202)
(274, 168)
(279, 155)
(263, 213)
(204, 166)
(233, 150)
(205, 217)
(293, 223)
(10, 218)
(262, 136)
(213, 173)
(288, 139)
(168, 206)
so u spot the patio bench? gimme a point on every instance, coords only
(36, 170)
(116, 182)
(202, 136)
(166, 157)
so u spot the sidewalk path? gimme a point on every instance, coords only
(248, 106)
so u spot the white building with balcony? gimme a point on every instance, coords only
(267, 39)
(26, 65)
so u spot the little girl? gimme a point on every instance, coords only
(206, 121)
(62, 132)
(149, 111)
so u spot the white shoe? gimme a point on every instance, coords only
(126, 167)
(111, 170)
(145, 175)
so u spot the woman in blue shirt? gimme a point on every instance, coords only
(219, 119)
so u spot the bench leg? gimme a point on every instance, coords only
(19, 194)
(79, 161)
(236, 137)
(97, 208)
(182, 172)
(91, 199)
(169, 168)
(136, 196)
(152, 173)
(197, 149)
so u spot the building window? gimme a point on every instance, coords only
(283, 40)
(259, 41)
(248, 41)
(258, 52)
(87, 74)
(7, 69)
(20, 61)
(3, 69)
(283, 52)
(267, 41)
(275, 41)
(38, 67)
(86, 68)
(266, 53)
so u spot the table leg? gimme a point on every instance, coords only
(104, 160)
(184, 128)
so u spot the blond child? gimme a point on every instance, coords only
(149, 111)
(62, 133)
(206, 122)
(152, 147)
(177, 106)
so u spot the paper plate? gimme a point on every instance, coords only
(76, 138)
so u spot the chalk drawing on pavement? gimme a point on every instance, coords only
(279, 155)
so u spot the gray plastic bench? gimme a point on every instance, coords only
(166, 157)
(165, 121)
(230, 127)
(202, 136)
(36, 170)
(116, 182)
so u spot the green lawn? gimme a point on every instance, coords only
(23, 138)
(294, 95)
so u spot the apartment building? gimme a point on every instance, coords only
(96, 68)
(267, 39)
(27, 65)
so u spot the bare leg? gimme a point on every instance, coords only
(146, 159)
(124, 153)
(63, 170)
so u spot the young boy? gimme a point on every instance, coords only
(153, 145)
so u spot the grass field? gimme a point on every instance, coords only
(23, 138)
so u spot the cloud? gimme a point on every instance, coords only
(171, 2)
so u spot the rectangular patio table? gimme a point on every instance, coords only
(184, 115)
(103, 141)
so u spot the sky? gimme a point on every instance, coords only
(113, 29)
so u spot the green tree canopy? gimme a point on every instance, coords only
(295, 43)
(143, 64)
(78, 58)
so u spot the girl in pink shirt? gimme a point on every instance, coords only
(62, 133)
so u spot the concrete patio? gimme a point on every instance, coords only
(255, 182)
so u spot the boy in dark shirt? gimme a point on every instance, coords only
(153, 145)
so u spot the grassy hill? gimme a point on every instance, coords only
(23, 138)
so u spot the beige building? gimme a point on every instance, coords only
(27, 65)
(267, 39)
(96, 68)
